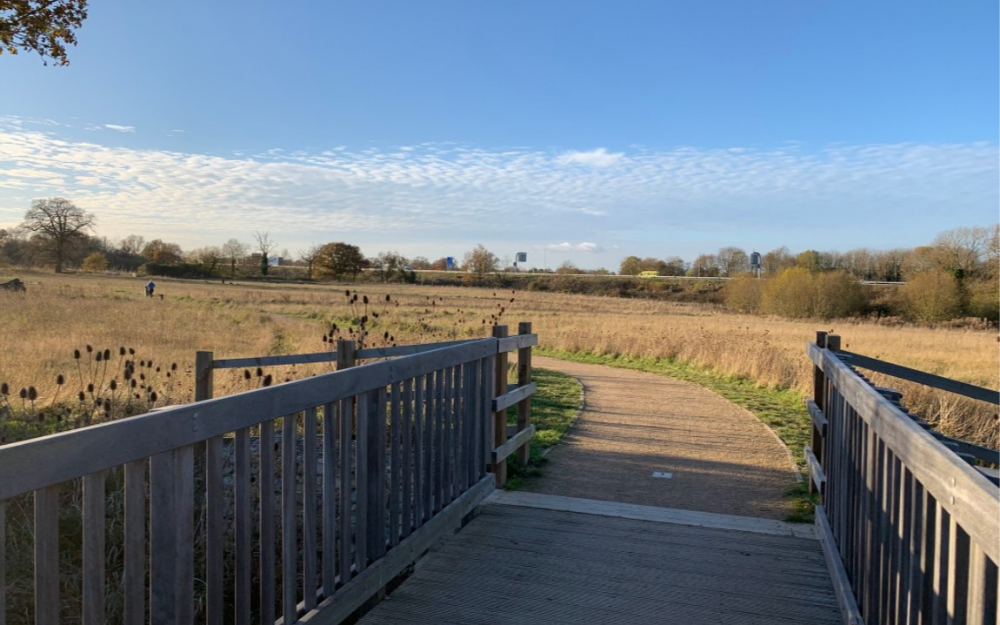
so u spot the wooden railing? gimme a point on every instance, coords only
(911, 530)
(377, 462)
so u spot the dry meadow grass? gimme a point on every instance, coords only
(61, 313)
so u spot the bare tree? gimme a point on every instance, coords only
(264, 245)
(132, 244)
(481, 261)
(235, 251)
(308, 256)
(59, 224)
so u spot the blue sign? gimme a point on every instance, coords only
(450, 261)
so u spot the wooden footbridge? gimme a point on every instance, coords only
(371, 493)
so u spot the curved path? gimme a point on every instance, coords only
(720, 457)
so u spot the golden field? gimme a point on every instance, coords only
(40, 330)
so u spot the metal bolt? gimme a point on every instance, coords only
(953, 500)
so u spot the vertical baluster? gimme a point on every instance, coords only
(447, 435)
(242, 521)
(439, 440)
(942, 539)
(410, 465)
(330, 427)
(309, 508)
(376, 473)
(47, 554)
(93, 548)
(958, 572)
(289, 539)
(265, 483)
(424, 392)
(361, 478)
(214, 548)
(395, 459)
(135, 543)
(344, 538)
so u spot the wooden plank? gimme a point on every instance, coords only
(468, 424)
(69, 455)
(93, 549)
(267, 513)
(487, 392)
(509, 398)
(395, 462)
(203, 378)
(523, 380)
(512, 444)
(420, 490)
(518, 341)
(815, 471)
(447, 435)
(361, 486)
(135, 543)
(309, 504)
(409, 470)
(346, 410)
(329, 522)
(437, 443)
(289, 539)
(499, 469)
(921, 377)
(241, 517)
(818, 418)
(458, 484)
(982, 597)
(349, 598)
(376, 473)
(171, 532)
(958, 573)
(405, 350)
(957, 487)
(274, 361)
(916, 548)
(184, 518)
(942, 543)
(214, 548)
(47, 555)
(3, 563)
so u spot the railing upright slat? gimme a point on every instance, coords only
(214, 549)
(942, 544)
(135, 543)
(377, 405)
(409, 472)
(289, 520)
(93, 548)
(361, 478)
(447, 435)
(241, 518)
(395, 460)
(309, 503)
(421, 453)
(265, 482)
(346, 416)
(47, 555)
(330, 427)
(436, 441)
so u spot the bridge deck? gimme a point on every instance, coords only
(529, 558)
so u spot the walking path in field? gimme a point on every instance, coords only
(712, 455)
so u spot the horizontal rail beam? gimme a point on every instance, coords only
(927, 379)
(404, 350)
(274, 361)
(512, 397)
(522, 437)
(816, 473)
(511, 343)
(818, 418)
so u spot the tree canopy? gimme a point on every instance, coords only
(42, 26)
(58, 224)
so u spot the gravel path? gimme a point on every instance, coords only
(720, 457)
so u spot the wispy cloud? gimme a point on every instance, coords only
(118, 128)
(584, 246)
(463, 193)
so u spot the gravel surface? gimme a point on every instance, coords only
(720, 457)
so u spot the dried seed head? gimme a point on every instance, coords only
(114, 385)
(107, 354)
(32, 393)
(173, 366)
(133, 383)
(260, 372)
(89, 349)
(347, 293)
(76, 354)
(23, 393)
(246, 374)
(60, 380)
(81, 396)
(99, 357)
(267, 380)
(90, 388)
(387, 298)
(121, 351)
(131, 352)
(4, 389)
(152, 396)
(365, 299)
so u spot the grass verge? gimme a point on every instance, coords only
(553, 408)
(781, 410)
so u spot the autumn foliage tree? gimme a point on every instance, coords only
(338, 260)
(42, 26)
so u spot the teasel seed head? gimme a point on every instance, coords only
(76, 354)
(90, 349)
(32, 393)
(23, 393)
(60, 380)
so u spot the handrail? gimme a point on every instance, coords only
(915, 527)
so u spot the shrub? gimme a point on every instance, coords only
(95, 262)
(743, 294)
(984, 300)
(791, 294)
(931, 296)
(837, 294)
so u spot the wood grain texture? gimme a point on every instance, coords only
(135, 543)
(47, 555)
(93, 549)
(214, 548)
(310, 501)
(268, 566)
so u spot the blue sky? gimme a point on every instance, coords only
(581, 131)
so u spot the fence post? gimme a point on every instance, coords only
(499, 469)
(819, 398)
(203, 377)
(346, 354)
(524, 406)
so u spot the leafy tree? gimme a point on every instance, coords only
(235, 251)
(630, 266)
(339, 259)
(208, 257)
(162, 253)
(480, 261)
(568, 267)
(674, 266)
(932, 296)
(265, 245)
(95, 262)
(420, 262)
(732, 261)
(776, 261)
(705, 266)
(43, 26)
(440, 264)
(58, 224)
(389, 265)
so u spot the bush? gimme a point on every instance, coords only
(984, 300)
(790, 294)
(931, 296)
(95, 262)
(837, 294)
(743, 294)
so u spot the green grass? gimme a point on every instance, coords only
(553, 408)
(781, 410)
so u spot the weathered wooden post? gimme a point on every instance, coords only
(203, 376)
(499, 468)
(346, 354)
(819, 398)
(524, 406)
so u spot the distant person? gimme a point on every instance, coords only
(150, 287)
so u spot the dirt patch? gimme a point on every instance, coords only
(711, 455)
